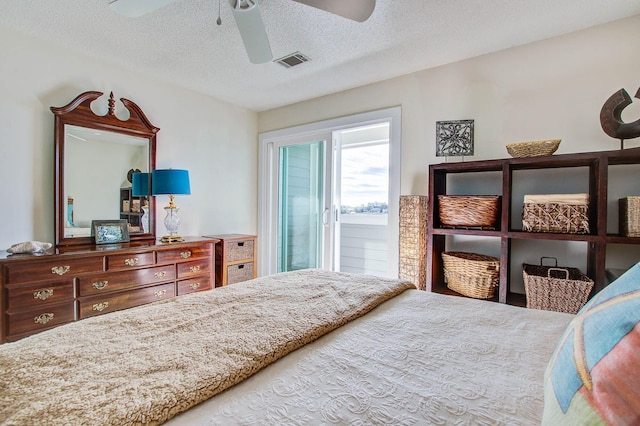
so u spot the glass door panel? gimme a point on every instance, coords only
(301, 206)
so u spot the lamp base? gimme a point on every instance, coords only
(171, 239)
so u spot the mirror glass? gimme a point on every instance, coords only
(97, 175)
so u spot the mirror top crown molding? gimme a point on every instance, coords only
(79, 113)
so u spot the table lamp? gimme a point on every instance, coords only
(140, 188)
(171, 182)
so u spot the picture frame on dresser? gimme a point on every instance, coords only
(110, 231)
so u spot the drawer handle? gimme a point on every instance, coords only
(160, 274)
(194, 268)
(160, 293)
(131, 262)
(100, 306)
(99, 285)
(194, 286)
(43, 294)
(185, 254)
(240, 266)
(60, 270)
(43, 318)
(241, 244)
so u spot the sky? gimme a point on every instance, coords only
(365, 175)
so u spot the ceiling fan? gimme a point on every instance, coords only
(249, 20)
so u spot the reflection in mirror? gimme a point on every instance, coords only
(98, 175)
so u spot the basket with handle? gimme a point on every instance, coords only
(554, 288)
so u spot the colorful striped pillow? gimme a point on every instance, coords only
(593, 376)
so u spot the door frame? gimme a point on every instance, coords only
(266, 184)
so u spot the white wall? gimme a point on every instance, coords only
(549, 89)
(214, 140)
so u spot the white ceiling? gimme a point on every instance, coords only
(182, 44)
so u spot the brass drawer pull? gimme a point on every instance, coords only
(100, 306)
(194, 286)
(194, 268)
(43, 318)
(131, 262)
(43, 294)
(160, 274)
(99, 285)
(60, 270)
(160, 293)
(185, 254)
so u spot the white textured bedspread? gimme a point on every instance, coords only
(418, 359)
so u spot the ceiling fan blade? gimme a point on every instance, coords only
(135, 8)
(254, 36)
(356, 10)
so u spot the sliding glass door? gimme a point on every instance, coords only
(329, 194)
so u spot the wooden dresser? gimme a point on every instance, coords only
(235, 258)
(67, 284)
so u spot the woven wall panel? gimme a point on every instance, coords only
(413, 240)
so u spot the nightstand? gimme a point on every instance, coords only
(235, 258)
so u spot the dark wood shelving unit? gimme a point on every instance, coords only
(597, 163)
(132, 214)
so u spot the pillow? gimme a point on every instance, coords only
(29, 247)
(593, 376)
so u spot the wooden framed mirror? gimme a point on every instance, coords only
(95, 157)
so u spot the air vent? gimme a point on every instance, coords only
(296, 58)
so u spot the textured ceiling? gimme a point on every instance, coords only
(182, 44)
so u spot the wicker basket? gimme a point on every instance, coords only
(553, 288)
(557, 213)
(629, 223)
(533, 148)
(471, 274)
(469, 211)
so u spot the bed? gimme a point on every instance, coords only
(306, 347)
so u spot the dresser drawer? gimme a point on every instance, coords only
(115, 281)
(96, 305)
(132, 260)
(194, 284)
(37, 295)
(238, 250)
(179, 255)
(198, 267)
(240, 272)
(31, 271)
(36, 320)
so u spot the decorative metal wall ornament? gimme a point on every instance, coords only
(611, 117)
(454, 138)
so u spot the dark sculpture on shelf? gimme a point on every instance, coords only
(611, 117)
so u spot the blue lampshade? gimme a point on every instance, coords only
(170, 181)
(140, 184)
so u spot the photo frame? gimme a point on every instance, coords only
(454, 138)
(110, 231)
